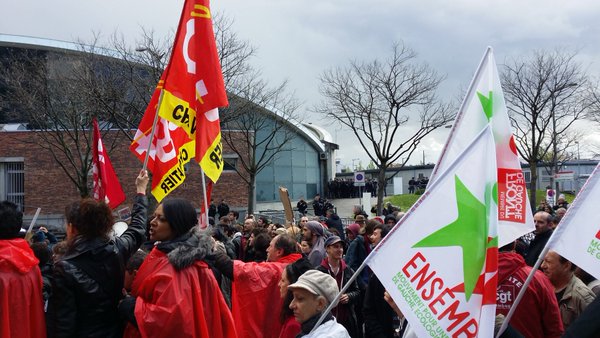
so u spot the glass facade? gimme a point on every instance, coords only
(296, 168)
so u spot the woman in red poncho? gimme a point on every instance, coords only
(175, 293)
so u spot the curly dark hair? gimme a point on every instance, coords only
(90, 218)
(11, 220)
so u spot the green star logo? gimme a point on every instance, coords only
(487, 104)
(469, 231)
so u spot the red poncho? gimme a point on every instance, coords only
(21, 303)
(255, 300)
(186, 303)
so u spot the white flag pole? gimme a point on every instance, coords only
(204, 192)
(555, 234)
(145, 165)
(33, 220)
(410, 211)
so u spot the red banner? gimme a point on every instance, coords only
(194, 87)
(106, 182)
(170, 150)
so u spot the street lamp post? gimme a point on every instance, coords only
(353, 165)
(578, 165)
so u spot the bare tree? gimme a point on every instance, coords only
(258, 128)
(389, 105)
(545, 94)
(57, 94)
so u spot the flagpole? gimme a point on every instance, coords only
(153, 130)
(555, 234)
(410, 211)
(37, 213)
(204, 192)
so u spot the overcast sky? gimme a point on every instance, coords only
(298, 40)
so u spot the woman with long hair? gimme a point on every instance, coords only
(88, 278)
(290, 275)
(174, 293)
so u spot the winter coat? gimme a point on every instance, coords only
(21, 303)
(88, 280)
(377, 313)
(587, 324)
(335, 222)
(330, 328)
(575, 299)
(290, 328)
(357, 252)
(344, 313)
(536, 246)
(537, 314)
(177, 294)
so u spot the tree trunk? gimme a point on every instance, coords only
(381, 187)
(533, 185)
(251, 193)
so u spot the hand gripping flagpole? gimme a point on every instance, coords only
(410, 211)
(153, 130)
(555, 234)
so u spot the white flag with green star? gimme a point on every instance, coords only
(577, 237)
(484, 105)
(439, 263)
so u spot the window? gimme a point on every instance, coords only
(12, 187)
(230, 162)
(527, 175)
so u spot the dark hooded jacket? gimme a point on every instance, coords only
(335, 222)
(88, 280)
(175, 293)
(344, 313)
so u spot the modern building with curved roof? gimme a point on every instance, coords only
(303, 168)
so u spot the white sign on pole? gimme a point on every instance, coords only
(359, 179)
(398, 186)
(564, 176)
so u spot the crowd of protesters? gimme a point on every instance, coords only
(345, 188)
(166, 277)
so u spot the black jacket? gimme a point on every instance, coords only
(536, 246)
(377, 313)
(88, 281)
(335, 222)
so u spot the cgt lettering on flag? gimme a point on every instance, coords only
(512, 195)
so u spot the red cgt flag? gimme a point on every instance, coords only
(106, 183)
(194, 87)
(170, 148)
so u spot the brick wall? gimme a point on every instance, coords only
(47, 186)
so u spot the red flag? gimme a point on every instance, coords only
(170, 150)
(194, 87)
(106, 182)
